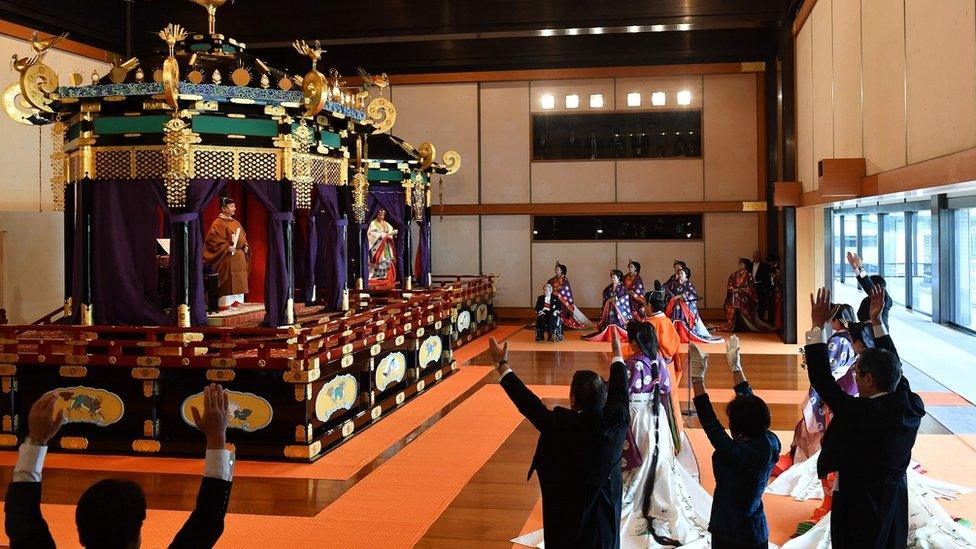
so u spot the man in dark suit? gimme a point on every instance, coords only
(764, 289)
(868, 283)
(869, 441)
(547, 309)
(110, 513)
(578, 454)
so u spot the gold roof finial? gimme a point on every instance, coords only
(211, 6)
(171, 34)
(314, 54)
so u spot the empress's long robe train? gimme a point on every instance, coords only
(232, 268)
(682, 309)
(571, 315)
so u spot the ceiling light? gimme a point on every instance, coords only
(633, 99)
(596, 30)
(684, 97)
(658, 28)
(684, 27)
(596, 101)
(548, 101)
(659, 99)
(633, 28)
(548, 32)
(572, 32)
(572, 101)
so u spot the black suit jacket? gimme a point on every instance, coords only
(27, 528)
(578, 463)
(763, 276)
(554, 303)
(864, 309)
(869, 443)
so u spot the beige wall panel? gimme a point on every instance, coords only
(454, 245)
(804, 109)
(846, 33)
(19, 151)
(941, 55)
(505, 134)
(31, 269)
(557, 182)
(730, 138)
(883, 68)
(670, 85)
(657, 259)
(583, 88)
(809, 262)
(728, 236)
(506, 242)
(447, 116)
(588, 263)
(823, 101)
(660, 180)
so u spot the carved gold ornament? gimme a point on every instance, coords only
(17, 107)
(381, 82)
(37, 83)
(178, 138)
(172, 34)
(452, 161)
(419, 192)
(211, 7)
(360, 187)
(58, 165)
(314, 86)
(427, 153)
(383, 114)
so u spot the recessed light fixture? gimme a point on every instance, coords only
(572, 101)
(548, 101)
(572, 32)
(535, 232)
(596, 101)
(599, 231)
(684, 97)
(633, 99)
(659, 99)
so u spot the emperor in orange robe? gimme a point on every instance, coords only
(227, 251)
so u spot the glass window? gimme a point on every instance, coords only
(869, 243)
(921, 267)
(850, 245)
(964, 267)
(894, 255)
(838, 252)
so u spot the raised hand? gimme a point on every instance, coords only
(697, 362)
(855, 261)
(732, 353)
(877, 304)
(498, 353)
(42, 424)
(213, 422)
(820, 309)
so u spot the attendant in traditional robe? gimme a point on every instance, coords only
(741, 301)
(571, 315)
(842, 351)
(382, 252)
(668, 339)
(616, 310)
(226, 250)
(635, 288)
(682, 306)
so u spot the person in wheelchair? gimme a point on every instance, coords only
(547, 309)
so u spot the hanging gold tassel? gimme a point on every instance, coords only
(440, 197)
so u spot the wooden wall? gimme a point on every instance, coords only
(489, 122)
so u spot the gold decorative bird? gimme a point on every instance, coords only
(382, 81)
(40, 45)
(19, 64)
(314, 54)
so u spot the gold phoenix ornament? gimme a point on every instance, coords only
(172, 34)
(38, 82)
(314, 83)
(179, 139)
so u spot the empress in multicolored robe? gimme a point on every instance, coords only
(741, 301)
(682, 309)
(572, 317)
(635, 289)
(616, 314)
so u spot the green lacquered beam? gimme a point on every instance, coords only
(235, 126)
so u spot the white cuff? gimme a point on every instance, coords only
(219, 464)
(879, 330)
(29, 463)
(861, 273)
(504, 373)
(816, 335)
(617, 358)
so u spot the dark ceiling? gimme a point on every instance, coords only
(401, 37)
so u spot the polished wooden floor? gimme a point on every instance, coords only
(494, 504)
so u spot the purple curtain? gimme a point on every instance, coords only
(276, 273)
(124, 280)
(199, 193)
(422, 268)
(328, 251)
(391, 200)
(303, 252)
